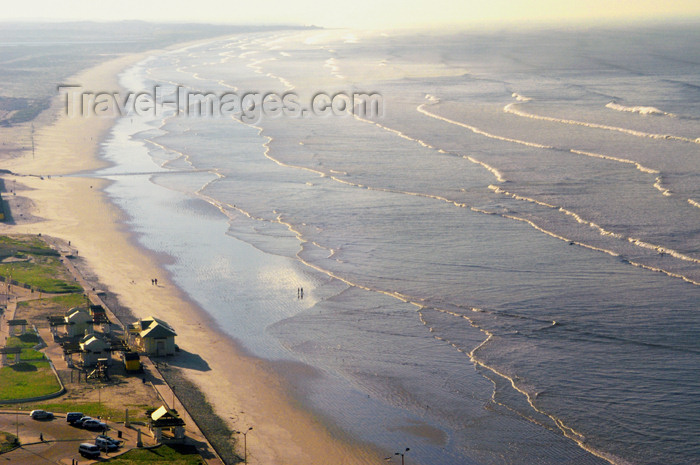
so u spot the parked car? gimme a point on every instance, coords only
(118, 442)
(79, 422)
(72, 417)
(41, 415)
(106, 444)
(95, 425)
(89, 450)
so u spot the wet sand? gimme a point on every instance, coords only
(244, 391)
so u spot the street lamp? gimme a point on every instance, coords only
(245, 443)
(402, 454)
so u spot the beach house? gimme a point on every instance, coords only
(153, 336)
(93, 348)
(78, 322)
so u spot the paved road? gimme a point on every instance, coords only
(61, 440)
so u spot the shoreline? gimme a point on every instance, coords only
(242, 388)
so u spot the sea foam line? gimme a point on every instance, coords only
(567, 431)
(332, 65)
(657, 185)
(642, 110)
(635, 241)
(475, 130)
(602, 231)
(510, 109)
(639, 166)
(576, 216)
(493, 170)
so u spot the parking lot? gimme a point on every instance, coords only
(60, 440)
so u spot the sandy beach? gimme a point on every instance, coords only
(244, 391)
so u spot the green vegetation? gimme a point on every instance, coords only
(54, 305)
(26, 342)
(36, 265)
(43, 272)
(7, 441)
(137, 413)
(27, 379)
(28, 245)
(161, 455)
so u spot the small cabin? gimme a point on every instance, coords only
(78, 322)
(154, 336)
(93, 348)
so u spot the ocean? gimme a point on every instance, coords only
(500, 264)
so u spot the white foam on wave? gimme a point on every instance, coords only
(694, 203)
(286, 83)
(520, 98)
(475, 130)
(255, 65)
(637, 165)
(517, 384)
(332, 65)
(510, 108)
(642, 110)
(491, 169)
(658, 186)
(602, 231)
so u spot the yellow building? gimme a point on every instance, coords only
(154, 337)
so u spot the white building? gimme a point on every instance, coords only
(78, 322)
(93, 348)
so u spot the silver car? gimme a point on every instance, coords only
(41, 415)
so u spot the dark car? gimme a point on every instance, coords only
(94, 425)
(118, 442)
(72, 417)
(79, 422)
(106, 444)
(41, 415)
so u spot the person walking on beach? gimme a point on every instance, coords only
(302, 292)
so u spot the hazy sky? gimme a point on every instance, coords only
(351, 13)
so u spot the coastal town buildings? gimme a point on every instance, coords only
(153, 336)
(78, 321)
